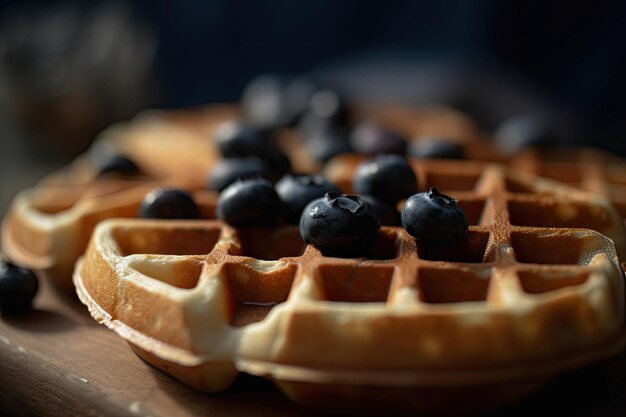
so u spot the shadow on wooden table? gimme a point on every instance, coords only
(40, 321)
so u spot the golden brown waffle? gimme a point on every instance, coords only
(531, 292)
(594, 170)
(47, 227)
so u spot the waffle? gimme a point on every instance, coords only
(532, 291)
(47, 227)
(537, 201)
(594, 170)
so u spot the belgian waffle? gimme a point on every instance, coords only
(595, 170)
(533, 290)
(47, 227)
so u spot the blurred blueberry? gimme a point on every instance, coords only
(327, 109)
(271, 101)
(517, 133)
(296, 191)
(387, 177)
(228, 170)
(278, 163)
(119, 164)
(252, 202)
(18, 287)
(324, 144)
(435, 148)
(236, 140)
(370, 139)
(342, 226)
(434, 217)
(168, 203)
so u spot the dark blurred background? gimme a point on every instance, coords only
(68, 69)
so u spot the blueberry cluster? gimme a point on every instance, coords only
(18, 287)
(339, 225)
(255, 202)
(248, 153)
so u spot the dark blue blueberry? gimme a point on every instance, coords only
(228, 170)
(327, 110)
(271, 101)
(388, 177)
(278, 163)
(119, 164)
(236, 140)
(342, 226)
(298, 94)
(519, 132)
(435, 148)
(370, 139)
(263, 102)
(324, 144)
(162, 203)
(18, 287)
(388, 214)
(434, 218)
(296, 191)
(252, 202)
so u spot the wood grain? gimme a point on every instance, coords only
(56, 361)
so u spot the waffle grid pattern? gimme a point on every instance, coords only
(590, 169)
(507, 295)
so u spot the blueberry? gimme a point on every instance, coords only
(296, 191)
(327, 109)
(278, 163)
(18, 287)
(262, 101)
(520, 132)
(388, 214)
(342, 226)
(162, 203)
(435, 148)
(271, 101)
(228, 170)
(119, 164)
(388, 177)
(236, 140)
(252, 202)
(435, 218)
(370, 139)
(324, 144)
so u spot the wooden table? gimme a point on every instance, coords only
(56, 361)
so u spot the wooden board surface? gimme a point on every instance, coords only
(56, 361)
